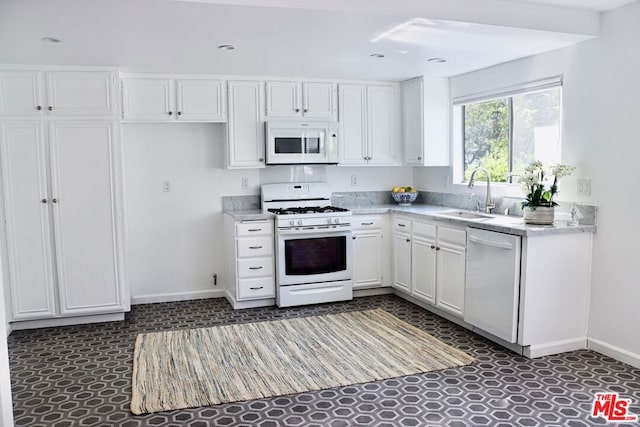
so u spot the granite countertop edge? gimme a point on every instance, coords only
(499, 223)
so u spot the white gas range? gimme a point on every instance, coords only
(313, 244)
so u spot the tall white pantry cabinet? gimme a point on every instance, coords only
(62, 195)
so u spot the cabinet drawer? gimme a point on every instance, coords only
(263, 287)
(452, 236)
(359, 222)
(424, 230)
(255, 246)
(402, 224)
(255, 267)
(254, 228)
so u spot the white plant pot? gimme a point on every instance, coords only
(539, 215)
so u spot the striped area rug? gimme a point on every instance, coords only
(207, 366)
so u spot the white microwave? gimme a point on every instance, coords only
(298, 142)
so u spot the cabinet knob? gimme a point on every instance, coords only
(50, 108)
(306, 110)
(261, 160)
(39, 108)
(353, 237)
(179, 113)
(43, 200)
(297, 110)
(54, 200)
(437, 248)
(171, 113)
(408, 240)
(419, 158)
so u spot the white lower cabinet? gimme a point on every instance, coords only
(429, 263)
(61, 189)
(370, 258)
(249, 262)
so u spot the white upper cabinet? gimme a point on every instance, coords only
(294, 99)
(165, 99)
(426, 122)
(245, 130)
(147, 99)
(60, 93)
(369, 125)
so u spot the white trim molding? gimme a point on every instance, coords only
(177, 296)
(620, 354)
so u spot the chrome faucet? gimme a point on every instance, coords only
(488, 204)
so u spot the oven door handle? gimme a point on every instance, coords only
(315, 230)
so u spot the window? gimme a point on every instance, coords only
(504, 132)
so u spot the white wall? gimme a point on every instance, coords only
(601, 138)
(175, 238)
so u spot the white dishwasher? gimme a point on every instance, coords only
(493, 282)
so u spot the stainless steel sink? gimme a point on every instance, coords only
(464, 215)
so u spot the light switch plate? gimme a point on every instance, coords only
(584, 187)
(166, 186)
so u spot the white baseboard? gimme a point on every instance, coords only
(555, 347)
(372, 291)
(65, 321)
(177, 296)
(624, 356)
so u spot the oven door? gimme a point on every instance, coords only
(313, 256)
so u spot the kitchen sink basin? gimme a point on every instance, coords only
(464, 215)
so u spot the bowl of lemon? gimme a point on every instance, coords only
(404, 196)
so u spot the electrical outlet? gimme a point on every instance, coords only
(584, 187)
(166, 186)
(354, 180)
(245, 183)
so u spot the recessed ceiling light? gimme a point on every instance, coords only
(377, 55)
(226, 47)
(437, 60)
(51, 40)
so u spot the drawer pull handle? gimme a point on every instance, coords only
(366, 223)
(408, 240)
(255, 247)
(255, 268)
(255, 229)
(255, 288)
(401, 225)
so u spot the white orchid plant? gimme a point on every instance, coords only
(534, 183)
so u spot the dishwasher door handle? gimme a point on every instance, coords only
(493, 243)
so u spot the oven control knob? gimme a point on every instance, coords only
(299, 222)
(336, 220)
(292, 222)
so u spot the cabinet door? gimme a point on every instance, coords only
(21, 93)
(284, 99)
(402, 261)
(29, 247)
(80, 93)
(320, 100)
(423, 274)
(147, 100)
(245, 129)
(353, 124)
(84, 216)
(383, 141)
(367, 259)
(412, 122)
(450, 280)
(201, 100)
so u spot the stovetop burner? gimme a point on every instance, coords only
(307, 210)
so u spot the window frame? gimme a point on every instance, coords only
(458, 122)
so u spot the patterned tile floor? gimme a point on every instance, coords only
(81, 376)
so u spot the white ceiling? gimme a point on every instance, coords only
(306, 38)
(599, 5)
